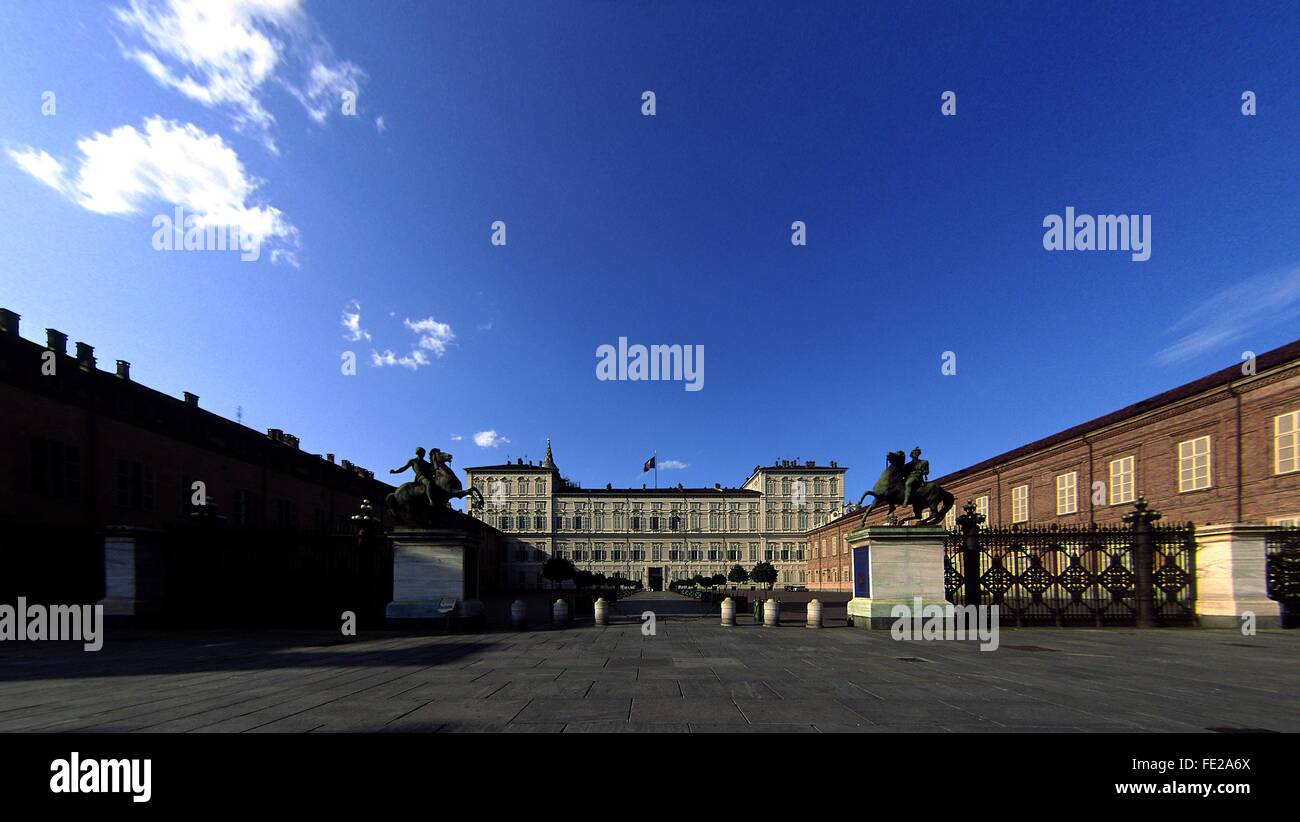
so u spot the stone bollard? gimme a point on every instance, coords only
(728, 613)
(600, 611)
(814, 613)
(518, 614)
(771, 613)
(559, 612)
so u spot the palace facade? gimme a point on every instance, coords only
(656, 535)
(1221, 449)
(86, 448)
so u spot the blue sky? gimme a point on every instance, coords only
(924, 232)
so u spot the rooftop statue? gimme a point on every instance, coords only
(426, 500)
(907, 483)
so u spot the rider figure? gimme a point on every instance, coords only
(917, 471)
(423, 472)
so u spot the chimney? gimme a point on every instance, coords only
(86, 356)
(56, 341)
(9, 322)
(124, 369)
(330, 457)
(191, 399)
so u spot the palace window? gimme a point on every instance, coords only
(753, 552)
(1020, 503)
(654, 523)
(636, 523)
(134, 485)
(577, 521)
(56, 470)
(1067, 493)
(1121, 480)
(982, 506)
(1286, 443)
(1194, 464)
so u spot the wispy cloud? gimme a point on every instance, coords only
(226, 55)
(489, 439)
(434, 336)
(352, 322)
(431, 335)
(671, 465)
(380, 125)
(412, 361)
(456, 438)
(179, 164)
(1254, 304)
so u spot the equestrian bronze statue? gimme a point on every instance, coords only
(907, 483)
(427, 499)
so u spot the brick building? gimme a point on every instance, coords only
(86, 448)
(1221, 449)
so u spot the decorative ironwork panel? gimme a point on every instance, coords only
(1282, 573)
(1078, 576)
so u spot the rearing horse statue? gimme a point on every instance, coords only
(891, 488)
(428, 497)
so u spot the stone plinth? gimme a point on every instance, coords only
(132, 573)
(1230, 576)
(431, 566)
(892, 565)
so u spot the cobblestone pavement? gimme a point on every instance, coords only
(691, 675)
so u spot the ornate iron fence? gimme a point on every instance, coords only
(1071, 576)
(1283, 573)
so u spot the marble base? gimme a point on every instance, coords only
(430, 566)
(132, 573)
(892, 565)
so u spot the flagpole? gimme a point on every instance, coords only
(656, 469)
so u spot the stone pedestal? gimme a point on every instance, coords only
(892, 565)
(1230, 576)
(431, 566)
(133, 573)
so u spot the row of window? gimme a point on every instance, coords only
(1194, 473)
(537, 522)
(787, 552)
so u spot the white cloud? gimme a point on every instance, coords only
(127, 170)
(431, 336)
(434, 336)
(1251, 305)
(41, 166)
(352, 322)
(227, 55)
(412, 361)
(671, 465)
(489, 439)
(456, 438)
(380, 125)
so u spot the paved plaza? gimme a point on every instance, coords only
(691, 676)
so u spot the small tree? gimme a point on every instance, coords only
(718, 580)
(764, 573)
(699, 581)
(558, 570)
(737, 575)
(582, 579)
